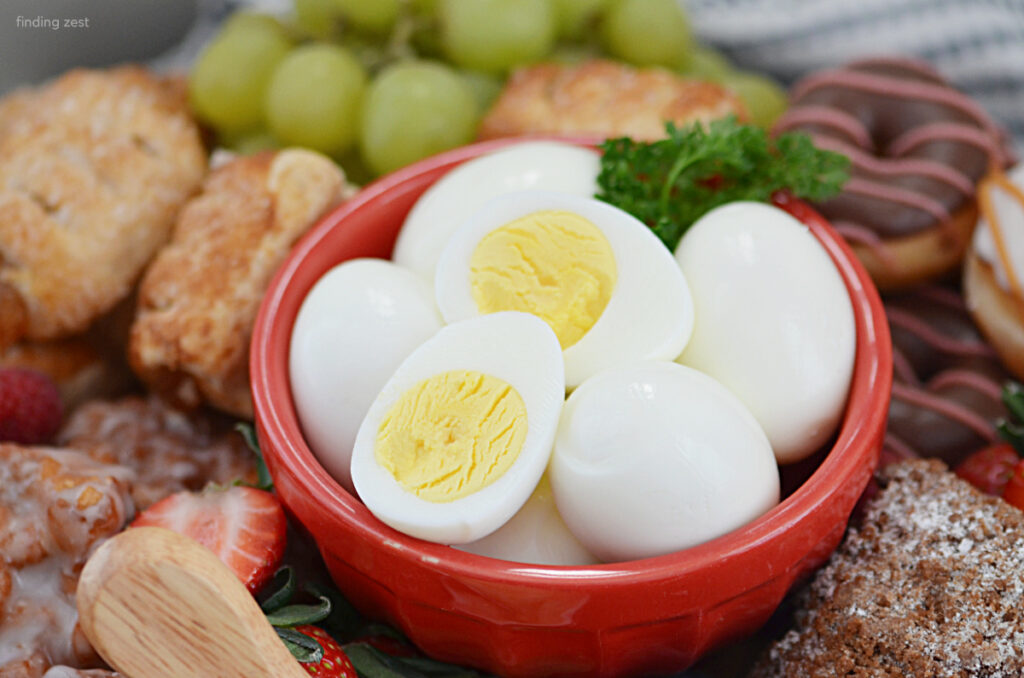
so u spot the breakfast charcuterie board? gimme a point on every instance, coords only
(513, 337)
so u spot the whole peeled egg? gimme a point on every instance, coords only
(441, 210)
(598, 276)
(356, 325)
(536, 534)
(657, 457)
(458, 438)
(774, 321)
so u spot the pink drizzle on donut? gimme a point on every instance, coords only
(967, 378)
(827, 116)
(922, 68)
(897, 194)
(921, 167)
(902, 369)
(857, 234)
(898, 448)
(946, 408)
(899, 88)
(947, 131)
(906, 321)
(944, 296)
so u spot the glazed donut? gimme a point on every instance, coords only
(946, 379)
(994, 268)
(918, 148)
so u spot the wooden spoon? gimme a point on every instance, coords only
(156, 604)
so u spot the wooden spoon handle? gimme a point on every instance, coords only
(156, 604)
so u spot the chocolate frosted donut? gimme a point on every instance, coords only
(946, 379)
(918, 148)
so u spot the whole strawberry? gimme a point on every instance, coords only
(30, 407)
(334, 663)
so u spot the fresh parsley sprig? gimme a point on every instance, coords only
(669, 184)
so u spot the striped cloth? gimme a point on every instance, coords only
(977, 44)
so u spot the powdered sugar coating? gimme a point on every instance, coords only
(927, 584)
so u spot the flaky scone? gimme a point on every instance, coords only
(603, 98)
(93, 169)
(198, 300)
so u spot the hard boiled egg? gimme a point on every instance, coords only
(657, 457)
(459, 436)
(536, 534)
(775, 322)
(598, 276)
(548, 165)
(356, 325)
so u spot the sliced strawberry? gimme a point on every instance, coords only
(244, 526)
(334, 663)
(1014, 492)
(989, 469)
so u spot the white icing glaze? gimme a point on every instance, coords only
(1011, 219)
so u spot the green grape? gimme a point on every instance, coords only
(253, 21)
(485, 88)
(315, 96)
(573, 17)
(707, 64)
(371, 16)
(574, 53)
(495, 35)
(230, 77)
(252, 142)
(319, 18)
(414, 109)
(424, 7)
(763, 98)
(647, 32)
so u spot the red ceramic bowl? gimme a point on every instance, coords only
(639, 617)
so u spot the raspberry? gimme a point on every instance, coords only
(30, 407)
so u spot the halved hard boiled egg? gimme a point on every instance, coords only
(548, 165)
(596, 275)
(459, 436)
(356, 325)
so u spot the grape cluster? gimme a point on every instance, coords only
(378, 84)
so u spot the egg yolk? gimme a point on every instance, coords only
(556, 265)
(452, 435)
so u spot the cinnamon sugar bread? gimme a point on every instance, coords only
(927, 584)
(93, 169)
(603, 98)
(198, 300)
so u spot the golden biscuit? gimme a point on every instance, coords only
(198, 300)
(605, 99)
(93, 169)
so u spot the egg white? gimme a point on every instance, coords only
(355, 326)
(549, 165)
(776, 322)
(649, 315)
(517, 348)
(657, 457)
(536, 534)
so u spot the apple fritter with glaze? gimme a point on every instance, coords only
(603, 98)
(93, 170)
(55, 507)
(167, 451)
(199, 298)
